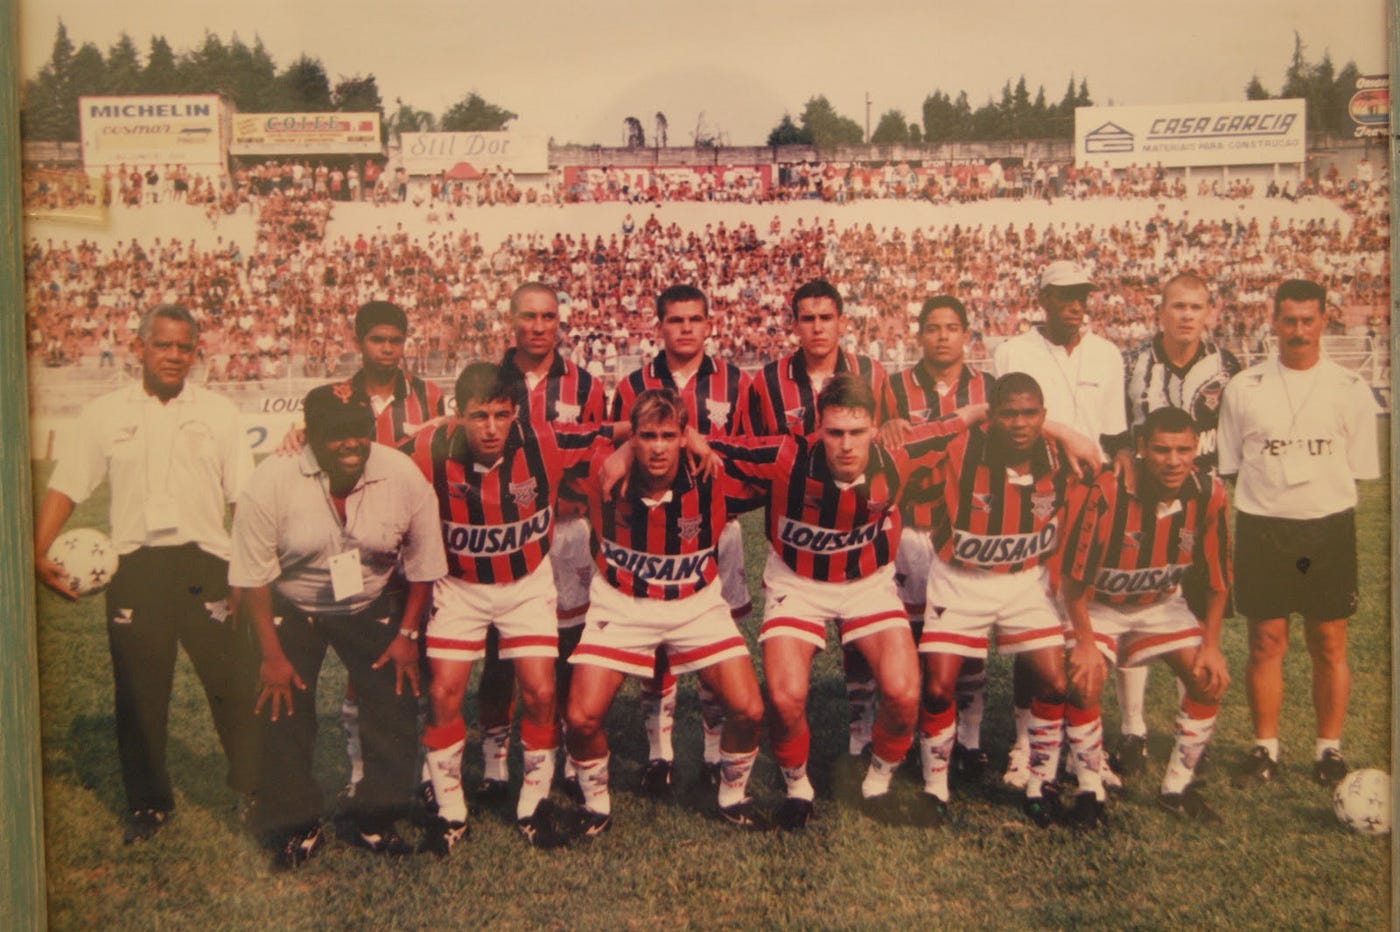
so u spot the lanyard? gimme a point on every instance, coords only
(1293, 411)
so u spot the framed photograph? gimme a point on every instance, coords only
(273, 168)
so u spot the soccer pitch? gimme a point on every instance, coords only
(1279, 860)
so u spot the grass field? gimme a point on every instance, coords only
(1280, 859)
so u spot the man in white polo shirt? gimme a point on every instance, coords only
(1081, 376)
(1298, 431)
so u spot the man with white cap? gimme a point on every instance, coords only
(1081, 376)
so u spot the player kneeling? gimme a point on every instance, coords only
(657, 587)
(1126, 557)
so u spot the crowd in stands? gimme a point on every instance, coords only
(286, 308)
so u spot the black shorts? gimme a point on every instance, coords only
(1306, 566)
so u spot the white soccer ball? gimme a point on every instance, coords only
(87, 556)
(1362, 801)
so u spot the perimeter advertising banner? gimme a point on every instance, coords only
(305, 134)
(158, 129)
(1250, 132)
(430, 153)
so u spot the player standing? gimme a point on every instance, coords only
(1126, 556)
(782, 399)
(1297, 430)
(711, 390)
(938, 384)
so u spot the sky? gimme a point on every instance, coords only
(574, 70)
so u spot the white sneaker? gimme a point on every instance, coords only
(1018, 767)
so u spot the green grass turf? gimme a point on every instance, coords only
(1280, 859)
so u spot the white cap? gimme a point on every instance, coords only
(1065, 274)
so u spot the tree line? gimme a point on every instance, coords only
(245, 75)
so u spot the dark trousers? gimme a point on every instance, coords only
(159, 599)
(289, 798)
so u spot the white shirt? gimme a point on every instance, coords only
(1083, 389)
(190, 453)
(1298, 440)
(286, 529)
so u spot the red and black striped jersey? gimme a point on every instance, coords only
(990, 518)
(1133, 551)
(712, 397)
(782, 400)
(415, 402)
(914, 396)
(498, 521)
(566, 395)
(821, 530)
(664, 551)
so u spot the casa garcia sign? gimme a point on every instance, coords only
(1254, 132)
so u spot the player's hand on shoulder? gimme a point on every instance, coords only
(1123, 467)
(292, 441)
(894, 432)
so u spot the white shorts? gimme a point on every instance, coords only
(798, 607)
(911, 563)
(1016, 606)
(734, 586)
(573, 569)
(1132, 635)
(522, 611)
(623, 632)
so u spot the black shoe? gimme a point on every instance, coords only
(296, 848)
(539, 829)
(490, 794)
(933, 811)
(427, 799)
(1043, 810)
(794, 814)
(376, 839)
(656, 778)
(1187, 806)
(969, 764)
(744, 814)
(1131, 757)
(442, 836)
(142, 824)
(1256, 767)
(1089, 812)
(1330, 768)
(589, 824)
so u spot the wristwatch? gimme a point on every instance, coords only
(410, 633)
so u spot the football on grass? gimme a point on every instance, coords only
(87, 557)
(1362, 801)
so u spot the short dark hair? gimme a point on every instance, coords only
(677, 294)
(846, 390)
(1300, 289)
(817, 288)
(1190, 279)
(1166, 420)
(942, 300)
(658, 405)
(484, 382)
(1013, 383)
(176, 312)
(528, 287)
(377, 313)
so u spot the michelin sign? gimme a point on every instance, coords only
(1253, 132)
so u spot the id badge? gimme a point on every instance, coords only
(160, 512)
(1298, 468)
(346, 579)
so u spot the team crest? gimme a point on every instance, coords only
(718, 411)
(982, 501)
(1043, 505)
(567, 413)
(458, 489)
(1187, 539)
(689, 527)
(1134, 539)
(794, 417)
(919, 417)
(523, 492)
